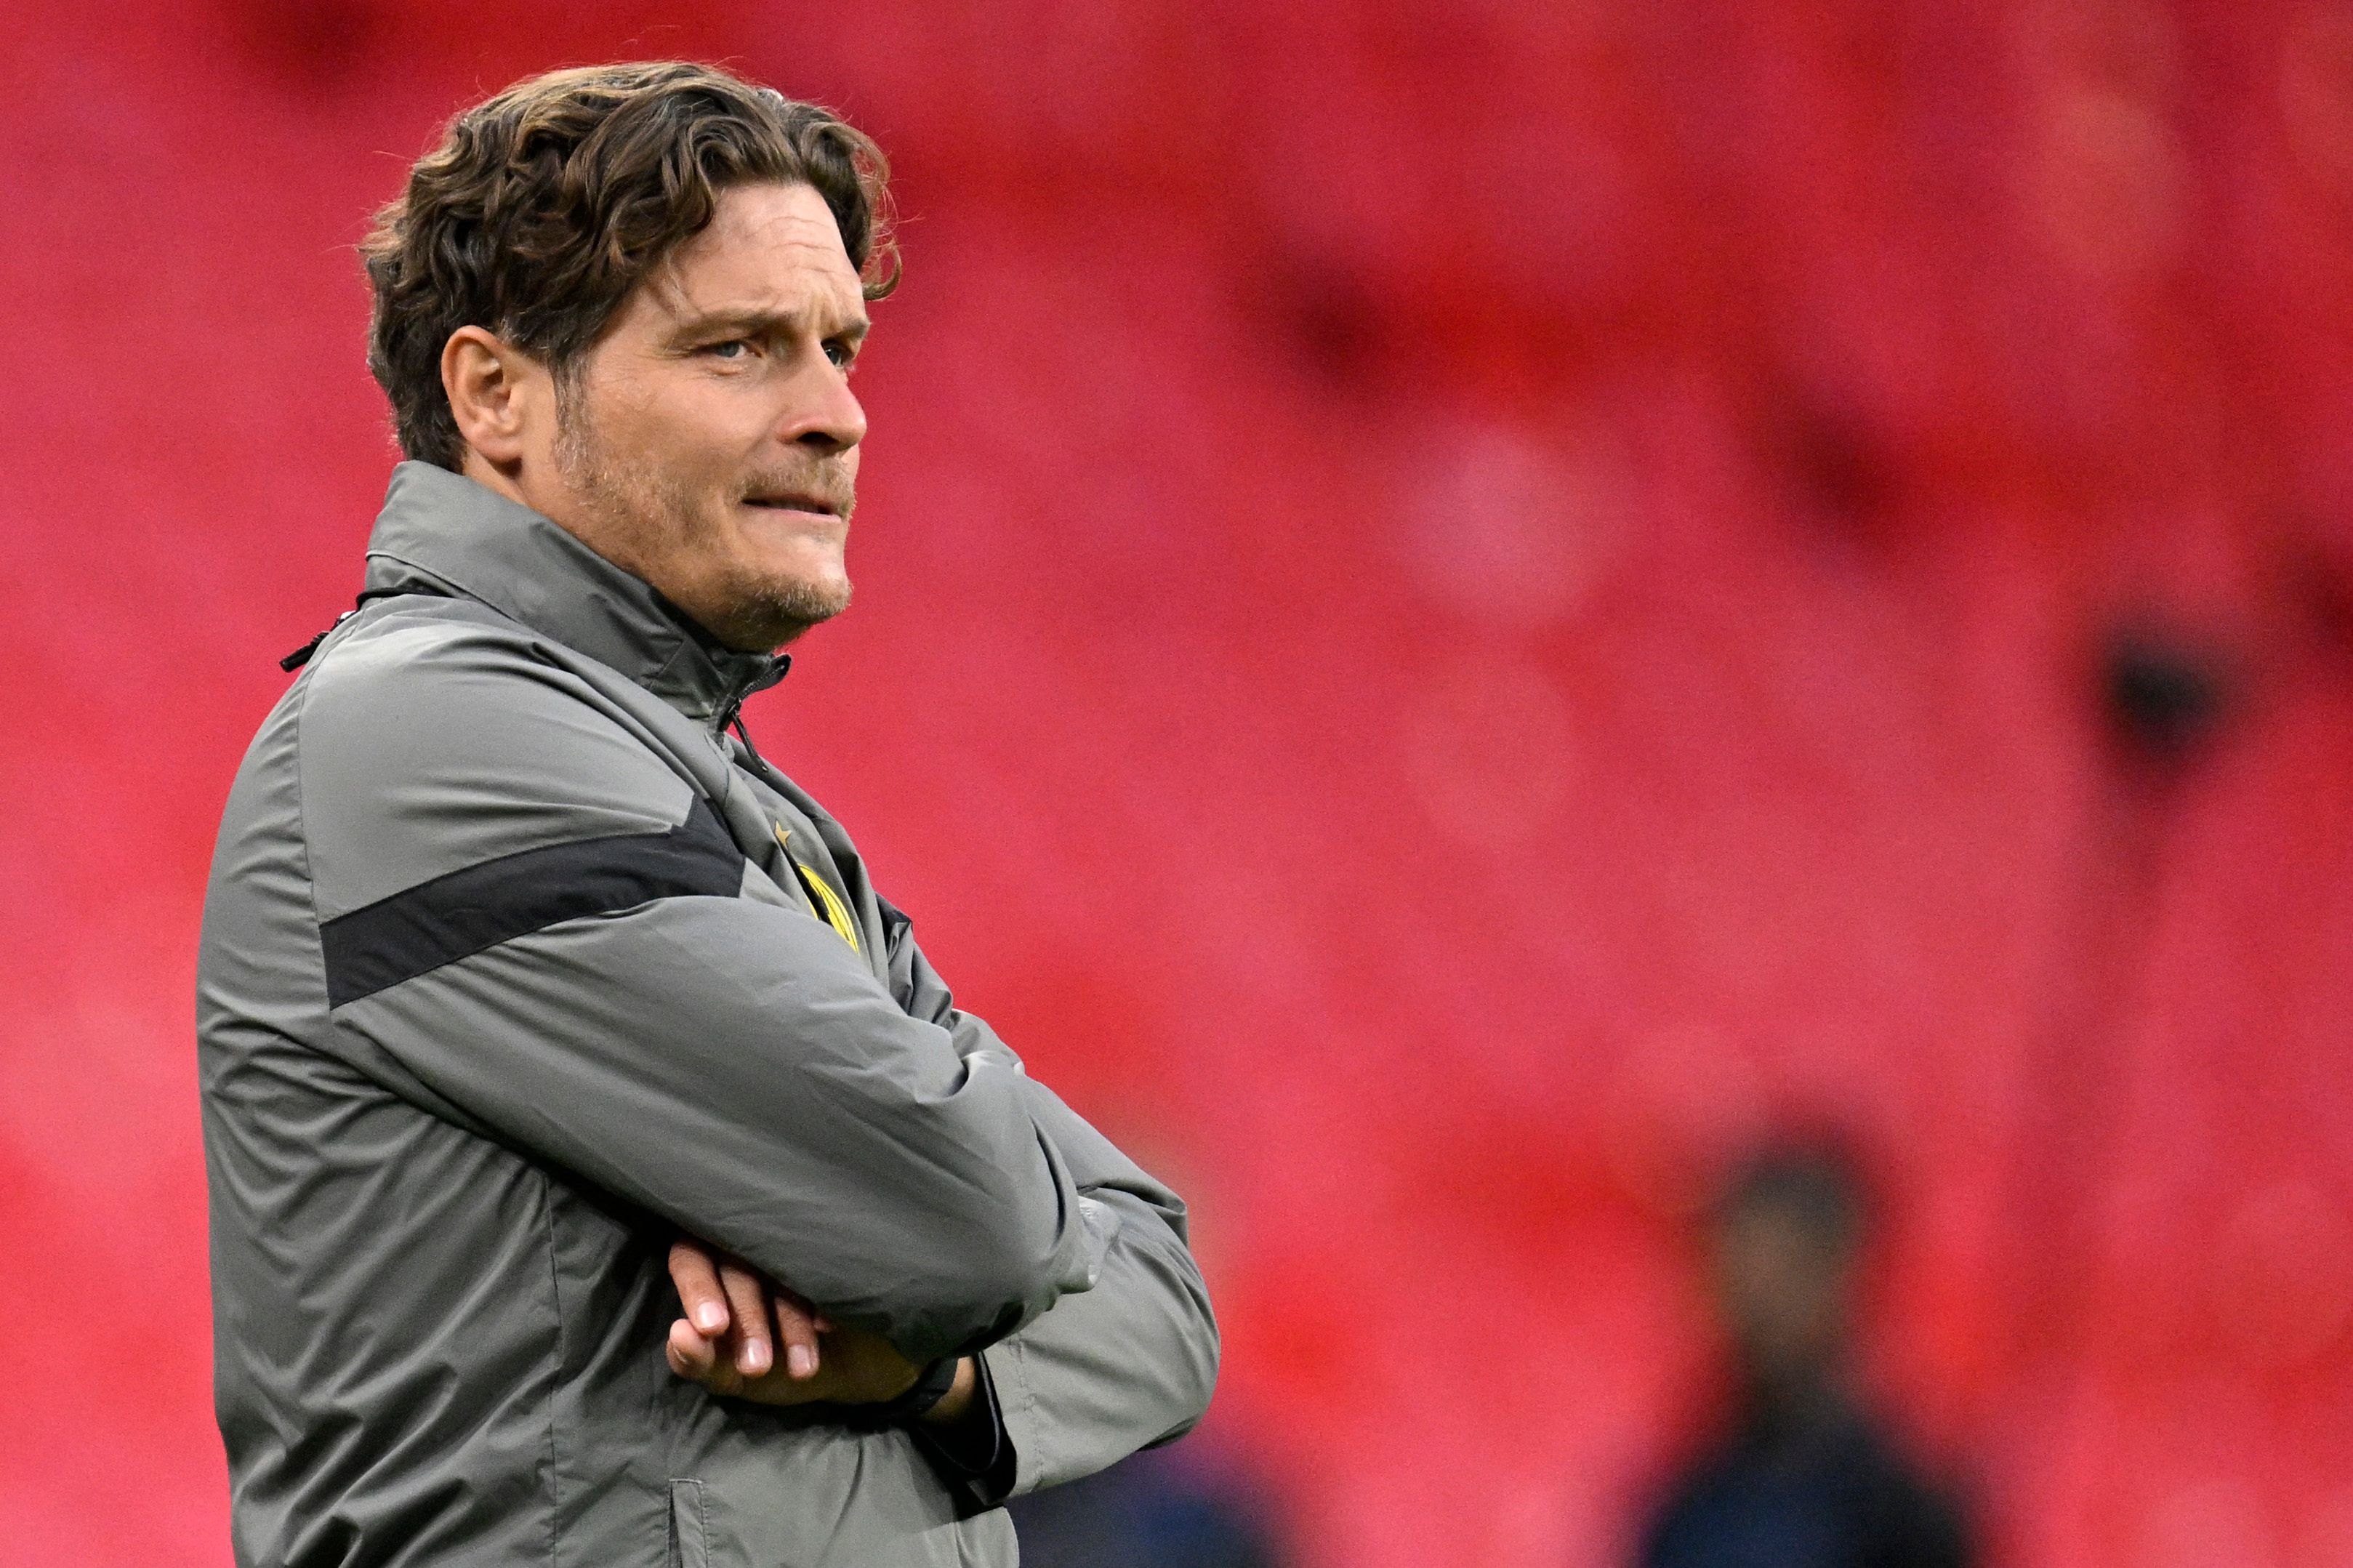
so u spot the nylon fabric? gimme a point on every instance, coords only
(507, 979)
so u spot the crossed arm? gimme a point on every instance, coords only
(1078, 1388)
(726, 1065)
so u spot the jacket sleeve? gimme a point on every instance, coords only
(534, 924)
(1131, 1363)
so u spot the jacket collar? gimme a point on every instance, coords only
(441, 532)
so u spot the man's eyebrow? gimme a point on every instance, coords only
(759, 323)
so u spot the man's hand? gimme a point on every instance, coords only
(734, 1320)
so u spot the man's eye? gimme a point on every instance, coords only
(842, 356)
(733, 348)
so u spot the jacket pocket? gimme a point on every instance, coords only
(688, 1545)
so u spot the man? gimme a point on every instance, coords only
(1807, 1477)
(534, 1009)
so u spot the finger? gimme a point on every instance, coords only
(796, 1332)
(697, 1359)
(684, 1349)
(697, 1280)
(747, 1301)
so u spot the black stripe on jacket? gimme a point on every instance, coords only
(451, 917)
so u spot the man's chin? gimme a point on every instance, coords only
(771, 613)
(811, 601)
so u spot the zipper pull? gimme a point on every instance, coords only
(301, 655)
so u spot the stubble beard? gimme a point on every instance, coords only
(650, 519)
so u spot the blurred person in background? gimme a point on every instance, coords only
(1805, 1476)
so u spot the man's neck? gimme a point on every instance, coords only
(490, 477)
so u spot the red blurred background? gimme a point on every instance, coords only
(1464, 607)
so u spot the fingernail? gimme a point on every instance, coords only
(756, 1357)
(802, 1360)
(709, 1318)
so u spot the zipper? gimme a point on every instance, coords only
(301, 655)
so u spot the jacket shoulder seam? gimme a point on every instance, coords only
(303, 845)
(304, 683)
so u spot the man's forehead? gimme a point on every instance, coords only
(769, 250)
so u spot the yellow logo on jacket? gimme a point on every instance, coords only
(836, 913)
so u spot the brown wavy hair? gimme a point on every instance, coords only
(542, 208)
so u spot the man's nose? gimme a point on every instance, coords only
(830, 421)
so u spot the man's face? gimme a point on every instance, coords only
(1783, 1287)
(709, 441)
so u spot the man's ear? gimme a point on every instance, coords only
(497, 394)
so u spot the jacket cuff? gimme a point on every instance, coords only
(973, 1457)
(930, 1385)
(1026, 1426)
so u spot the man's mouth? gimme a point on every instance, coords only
(815, 504)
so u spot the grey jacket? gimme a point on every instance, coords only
(515, 966)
